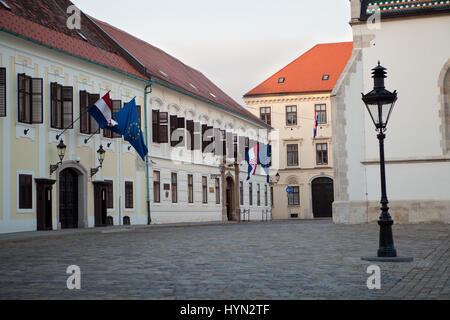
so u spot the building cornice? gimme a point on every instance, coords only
(278, 99)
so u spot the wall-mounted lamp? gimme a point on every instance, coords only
(25, 132)
(101, 157)
(129, 148)
(109, 144)
(61, 153)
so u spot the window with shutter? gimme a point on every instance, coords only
(2, 92)
(163, 127)
(190, 188)
(210, 136)
(24, 98)
(67, 94)
(93, 125)
(139, 116)
(181, 132)
(61, 106)
(25, 191)
(197, 136)
(156, 186)
(223, 138)
(173, 129)
(110, 194)
(247, 146)
(190, 132)
(129, 195)
(84, 116)
(37, 102)
(205, 141)
(115, 107)
(155, 126)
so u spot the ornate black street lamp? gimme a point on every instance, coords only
(61, 153)
(101, 157)
(380, 103)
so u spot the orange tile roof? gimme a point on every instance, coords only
(306, 72)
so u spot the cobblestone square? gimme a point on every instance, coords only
(274, 260)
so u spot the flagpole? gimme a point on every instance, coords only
(69, 127)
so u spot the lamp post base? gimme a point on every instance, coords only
(388, 259)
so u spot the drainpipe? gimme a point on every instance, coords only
(147, 158)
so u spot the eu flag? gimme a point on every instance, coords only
(130, 127)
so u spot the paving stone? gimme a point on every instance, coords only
(277, 260)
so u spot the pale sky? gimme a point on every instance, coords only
(237, 44)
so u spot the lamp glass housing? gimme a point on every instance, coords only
(101, 155)
(61, 150)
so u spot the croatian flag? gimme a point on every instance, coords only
(102, 113)
(316, 124)
(252, 159)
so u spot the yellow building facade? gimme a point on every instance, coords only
(296, 102)
(28, 149)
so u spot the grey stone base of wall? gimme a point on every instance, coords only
(403, 212)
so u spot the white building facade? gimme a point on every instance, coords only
(175, 184)
(411, 41)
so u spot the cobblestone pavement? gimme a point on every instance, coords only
(276, 260)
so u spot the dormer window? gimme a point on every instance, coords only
(326, 77)
(281, 80)
(82, 36)
(164, 74)
(3, 3)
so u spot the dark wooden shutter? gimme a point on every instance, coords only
(247, 146)
(93, 125)
(55, 107)
(24, 98)
(2, 92)
(37, 105)
(84, 116)
(210, 137)
(181, 132)
(197, 136)
(25, 192)
(173, 128)
(241, 148)
(190, 130)
(205, 141)
(155, 126)
(67, 108)
(163, 127)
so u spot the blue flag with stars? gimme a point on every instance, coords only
(130, 127)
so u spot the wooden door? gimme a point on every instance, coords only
(323, 197)
(100, 204)
(68, 199)
(44, 189)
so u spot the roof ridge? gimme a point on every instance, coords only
(142, 41)
(301, 81)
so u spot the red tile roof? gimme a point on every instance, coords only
(305, 74)
(45, 23)
(171, 70)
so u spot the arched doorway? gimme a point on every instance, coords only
(322, 197)
(229, 198)
(68, 199)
